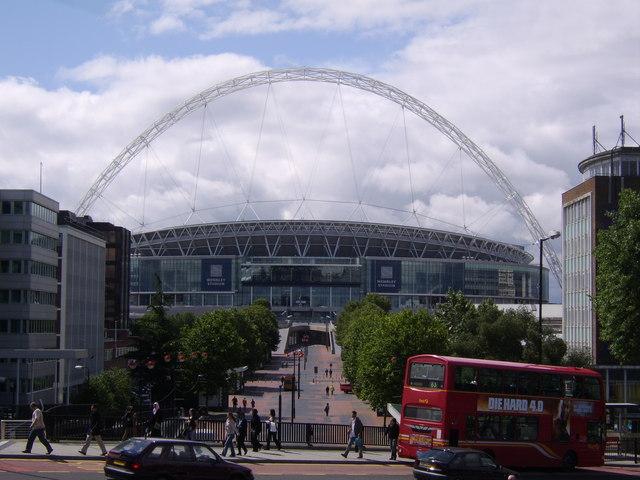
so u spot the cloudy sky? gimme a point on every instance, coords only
(525, 80)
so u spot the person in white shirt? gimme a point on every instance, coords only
(231, 430)
(37, 430)
(272, 431)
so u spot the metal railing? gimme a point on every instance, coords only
(64, 427)
(14, 429)
(624, 446)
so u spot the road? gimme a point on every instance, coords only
(92, 470)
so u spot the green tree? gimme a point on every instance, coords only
(217, 334)
(578, 357)
(381, 360)
(110, 389)
(617, 299)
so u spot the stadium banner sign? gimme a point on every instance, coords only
(387, 275)
(215, 275)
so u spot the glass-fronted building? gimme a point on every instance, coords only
(311, 267)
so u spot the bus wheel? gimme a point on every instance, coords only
(490, 453)
(569, 461)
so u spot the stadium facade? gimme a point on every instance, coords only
(309, 268)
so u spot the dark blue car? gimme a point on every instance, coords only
(459, 464)
(170, 459)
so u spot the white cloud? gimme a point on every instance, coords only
(166, 23)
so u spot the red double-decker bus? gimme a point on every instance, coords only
(523, 415)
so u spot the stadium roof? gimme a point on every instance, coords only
(321, 238)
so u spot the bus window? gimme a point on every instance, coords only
(428, 414)
(595, 432)
(508, 427)
(426, 375)
(508, 381)
(466, 379)
(552, 385)
(472, 430)
(528, 383)
(587, 387)
(489, 427)
(488, 380)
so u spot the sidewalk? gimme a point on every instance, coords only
(69, 451)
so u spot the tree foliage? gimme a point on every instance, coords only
(110, 389)
(617, 299)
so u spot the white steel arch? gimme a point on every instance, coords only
(326, 75)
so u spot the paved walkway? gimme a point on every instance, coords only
(69, 451)
(313, 395)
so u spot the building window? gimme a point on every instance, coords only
(6, 207)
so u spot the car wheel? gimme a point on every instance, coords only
(569, 461)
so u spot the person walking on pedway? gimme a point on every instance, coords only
(326, 410)
(256, 428)
(327, 390)
(332, 389)
(128, 422)
(393, 431)
(355, 435)
(94, 432)
(272, 429)
(230, 430)
(37, 430)
(242, 433)
(155, 422)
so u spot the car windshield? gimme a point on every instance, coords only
(133, 446)
(440, 456)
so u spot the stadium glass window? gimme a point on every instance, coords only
(4, 266)
(6, 207)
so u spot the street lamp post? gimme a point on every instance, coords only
(293, 393)
(280, 407)
(554, 234)
(299, 359)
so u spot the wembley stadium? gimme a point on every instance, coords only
(225, 250)
(310, 268)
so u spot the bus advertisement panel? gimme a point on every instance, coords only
(524, 415)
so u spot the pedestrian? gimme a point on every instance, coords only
(315, 370)
(253, 404)
(230, 431)
(37, 430)
(327, 390)
(330, 373)
(331, 365)
(242, 433)
(234, 402)
(272, 429)
(256, 428)
(355, 435)
(244, 404)
(94, 432)
(309, 434)
(155, 422)
(128, 422)
(326, 410)
(332, 389)
(326, 372)
(192, 423)
(393, 431)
